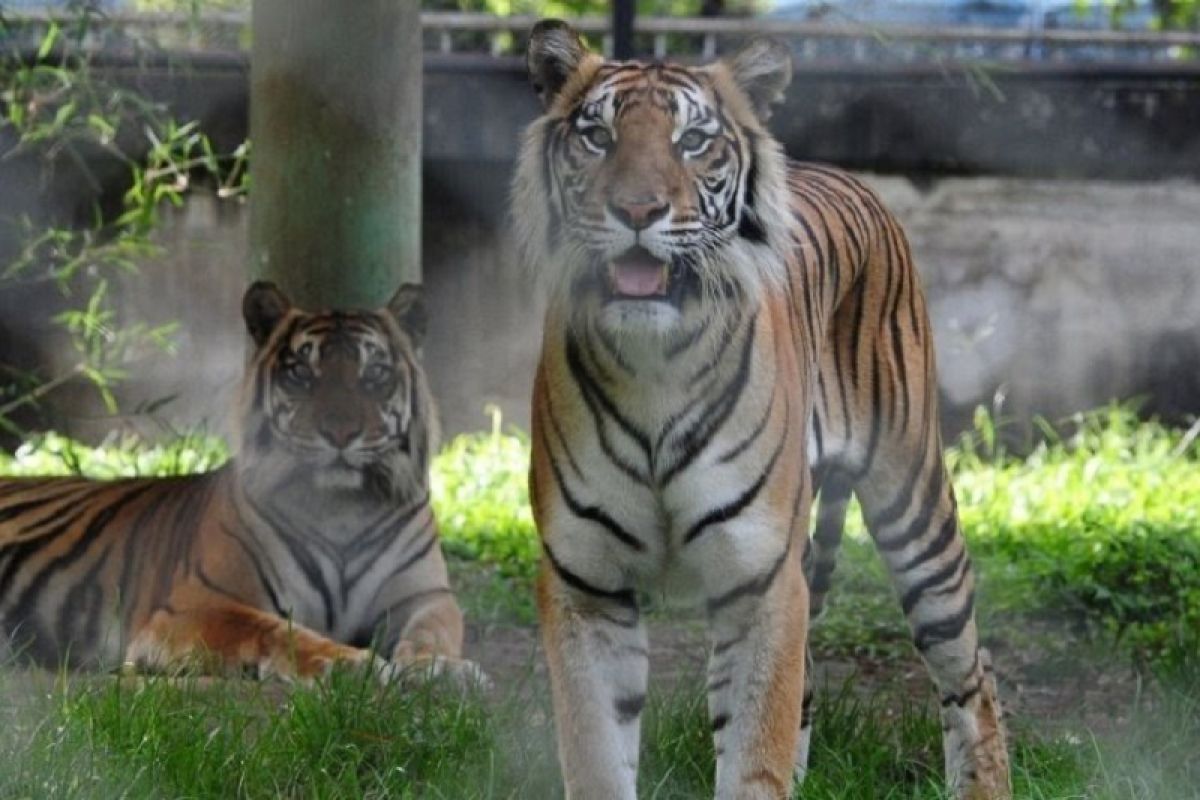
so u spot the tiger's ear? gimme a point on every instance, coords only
(555, 51)
(407, 306)
(263, 306)
(762, 69)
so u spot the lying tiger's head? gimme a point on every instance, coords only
(645, 190)
(337, 397)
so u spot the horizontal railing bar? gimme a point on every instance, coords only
(701, 26)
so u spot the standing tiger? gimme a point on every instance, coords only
(316, 541)
(728, 334)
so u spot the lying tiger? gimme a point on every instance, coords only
(316, 541)
(728, 334)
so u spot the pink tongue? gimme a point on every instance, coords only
(638, 279)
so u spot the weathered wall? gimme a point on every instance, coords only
(1059, 294)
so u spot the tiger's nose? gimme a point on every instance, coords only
(338, 430)
(638, 212)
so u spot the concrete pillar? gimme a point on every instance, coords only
(335, 124)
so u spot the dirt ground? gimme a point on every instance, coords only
(1050, 684)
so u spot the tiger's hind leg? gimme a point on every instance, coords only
(910, 510)
(228, 635)
(820, 560)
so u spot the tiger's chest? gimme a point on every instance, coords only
(665, 485)
(331, 584)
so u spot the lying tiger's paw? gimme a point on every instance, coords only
(463, 675)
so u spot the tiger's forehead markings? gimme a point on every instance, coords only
(621, 87)
(665, 86)
(354, 335)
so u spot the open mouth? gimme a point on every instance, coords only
(637, 275)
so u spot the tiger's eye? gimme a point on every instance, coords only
(298, 373)
(376, 374)
(598, 137)
(693, 139)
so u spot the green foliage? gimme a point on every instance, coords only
(481, 499)
(118, 457)
(58, 114)
(1103, 521)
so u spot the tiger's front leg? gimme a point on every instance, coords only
(596, 649)
(758, 625)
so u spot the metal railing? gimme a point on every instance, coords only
(661, 37)
(449, 33)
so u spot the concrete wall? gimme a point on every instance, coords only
(1061, 295)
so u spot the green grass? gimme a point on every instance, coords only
(117, 736)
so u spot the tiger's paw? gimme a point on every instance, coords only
(462, 675)
(976, 744)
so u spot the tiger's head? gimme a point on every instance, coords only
(337, 400)
(646, 190)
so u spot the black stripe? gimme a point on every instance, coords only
(961, 700)
(728, 335)
(920, 524)
(19, 552)
(894, 512)
(313, 574)
(629, 709)
(692, 441)
(597, 401)
(945, 536)
(263, 580)
(719, 722)
(816, 429)
(208, 583)
(685, 341)
(95, 528)
(84, 601)
(731, 510)
(721, 647)
(17, 509)
(752, 437)
(876, 419)
(753, 587)
(387, 532)
(917, 590)
(622, 597)
(416, 556)
(592, 513)
(750, 228)
(929, 634)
